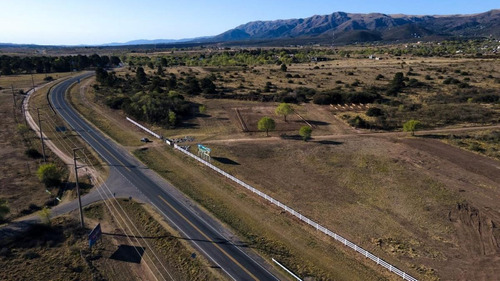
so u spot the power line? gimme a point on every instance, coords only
(101, 182)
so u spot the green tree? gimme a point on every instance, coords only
(140, 75)
(160, 71)
(207, 86)
(411, 126)
(283, 67)
(202, 108)
(396, 84)
(172, 118)
(4, 209)
(45, 215)
(283, 109)
(49, 175)
(266, 124)
(305, 132)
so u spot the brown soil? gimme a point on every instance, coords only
(416, 201)
(476, 220)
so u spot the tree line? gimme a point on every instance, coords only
(157, 98)
(42, 64)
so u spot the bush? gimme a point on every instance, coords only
(305, 132)
(451, 80)
(374, 112)
(49, 175)
(358, 122)
(33, 153)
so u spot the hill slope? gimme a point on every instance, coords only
(347, 27)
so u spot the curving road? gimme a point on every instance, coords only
(199, 228)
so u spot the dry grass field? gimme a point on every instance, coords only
(19, 184)
(59, 251)
(423, 205)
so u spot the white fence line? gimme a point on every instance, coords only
(305, 219)
(144, 128)
(287, 270)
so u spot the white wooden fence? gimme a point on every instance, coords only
(301, 217)
(305, 219)
(144, 128)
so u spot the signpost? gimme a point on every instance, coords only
(95, 235)
(204, 152)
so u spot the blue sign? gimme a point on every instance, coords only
(203, 148)
(94, 235)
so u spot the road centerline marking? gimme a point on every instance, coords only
(208, 238)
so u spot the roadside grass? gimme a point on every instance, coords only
(59, 250)
(46, 252)
(264, 228)
(175, 254)
(56, 129)
(19, 184)
(100, 117)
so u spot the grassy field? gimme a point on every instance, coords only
(59, 250)
(175, 255)
(274, 236)
(19, 183)
(263, 228)
(391, 195)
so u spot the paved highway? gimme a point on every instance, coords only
(203, 235)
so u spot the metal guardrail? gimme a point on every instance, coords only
(305, 219)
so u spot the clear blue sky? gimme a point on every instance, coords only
(73, 22)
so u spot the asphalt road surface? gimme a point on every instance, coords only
(202, 234)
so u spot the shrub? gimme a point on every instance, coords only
(49, 175)
(32, 153)
(358, 122)
(374, 112)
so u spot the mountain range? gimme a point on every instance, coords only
(344, 28)
(349, 27)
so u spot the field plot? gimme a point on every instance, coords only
(250, 116)
(384, 195)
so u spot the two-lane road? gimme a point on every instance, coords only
(204, 236)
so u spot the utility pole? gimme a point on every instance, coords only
(15, 102)
(33, 82)
(41, 135)
(77, 186)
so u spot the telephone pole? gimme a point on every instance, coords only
(77, 186)
(41, 135)
(33, 82)
(15, 102)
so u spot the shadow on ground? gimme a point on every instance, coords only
(128, 253)
(330, 142)
(225, 160)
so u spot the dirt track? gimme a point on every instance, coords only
(476, 219)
